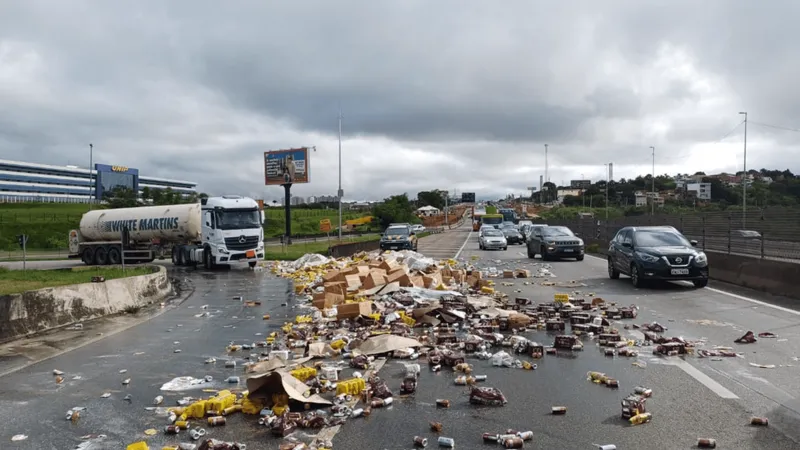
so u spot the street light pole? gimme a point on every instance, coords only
(546, 165)
(340, 192)
(653, 179)
(744, 176)
(583, 197)
(91, 162)
(607, 174)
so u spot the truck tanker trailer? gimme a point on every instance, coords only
(216, 231)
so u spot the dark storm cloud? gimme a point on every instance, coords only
(198, 89)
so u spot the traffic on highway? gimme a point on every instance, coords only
(517, 349)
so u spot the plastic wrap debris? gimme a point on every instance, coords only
(309, 260)
(184, 384)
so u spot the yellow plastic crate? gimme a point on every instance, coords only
(304, 373)
(223, 399)
(353, 386)
(196, 410)
(141, 445)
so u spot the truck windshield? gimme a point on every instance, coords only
(238, 219)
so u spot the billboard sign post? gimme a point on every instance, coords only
(284, 168)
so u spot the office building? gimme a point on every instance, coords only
(31, 182)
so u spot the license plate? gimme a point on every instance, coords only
(679, 271)
(394, 247)
(568, 250)
(250, 254)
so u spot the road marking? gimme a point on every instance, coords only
(739, 297)
(463, 245)
(704, 379)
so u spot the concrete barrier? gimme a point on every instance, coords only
(342, 250)
(44, 309)
(773, 277)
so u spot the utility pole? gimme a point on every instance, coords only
(91, 162)
(546, 165)
(653, 179)
(744, 176)
(340, 192)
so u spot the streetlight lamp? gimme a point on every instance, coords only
(744, 175)
(653, 179)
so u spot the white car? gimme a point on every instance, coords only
(492, 239)
(484, 228)
(417, 228)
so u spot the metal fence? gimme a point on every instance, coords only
(778, 231)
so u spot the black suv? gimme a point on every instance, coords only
(656, 253)
(553, 242)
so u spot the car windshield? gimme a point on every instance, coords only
(493, 233)
(398, 231)
(659, 238)
(557, 231)
(237, 219)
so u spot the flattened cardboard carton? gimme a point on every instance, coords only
(353, 281)
(336, 287)
(353, 310)
(374, 279)
(329, 301)
(508, 274)
(333, 275)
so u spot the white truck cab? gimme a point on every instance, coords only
(232, 231)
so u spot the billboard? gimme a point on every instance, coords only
(110, 177)
(286, 166)
(468, 197)
(580, 184)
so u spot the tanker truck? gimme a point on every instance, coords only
(217, 231)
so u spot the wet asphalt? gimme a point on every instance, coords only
(684, 409)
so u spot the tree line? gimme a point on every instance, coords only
(124, 197)
(768, 188)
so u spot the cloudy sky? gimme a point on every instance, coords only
(443, 94)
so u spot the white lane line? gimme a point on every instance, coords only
(704, 379)
(463, 245)
(739, 297)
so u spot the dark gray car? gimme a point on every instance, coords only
(554, 242)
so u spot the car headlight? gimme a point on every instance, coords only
(580, 241)
(646, 257)
(701, 259)
(551, 243)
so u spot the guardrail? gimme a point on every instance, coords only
(778, 230)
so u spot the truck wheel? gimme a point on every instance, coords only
(114, 256)
(101, 256)
(181, 257)
(208, 264)
(88, 256)
(175, 255)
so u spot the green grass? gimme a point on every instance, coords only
(48, 224)
(15, 281)
(294, 251)
(306, 221)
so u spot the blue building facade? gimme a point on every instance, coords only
(27, 182)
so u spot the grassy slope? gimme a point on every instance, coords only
(14, 281)
(48, 224)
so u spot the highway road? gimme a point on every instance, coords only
(692, 397)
